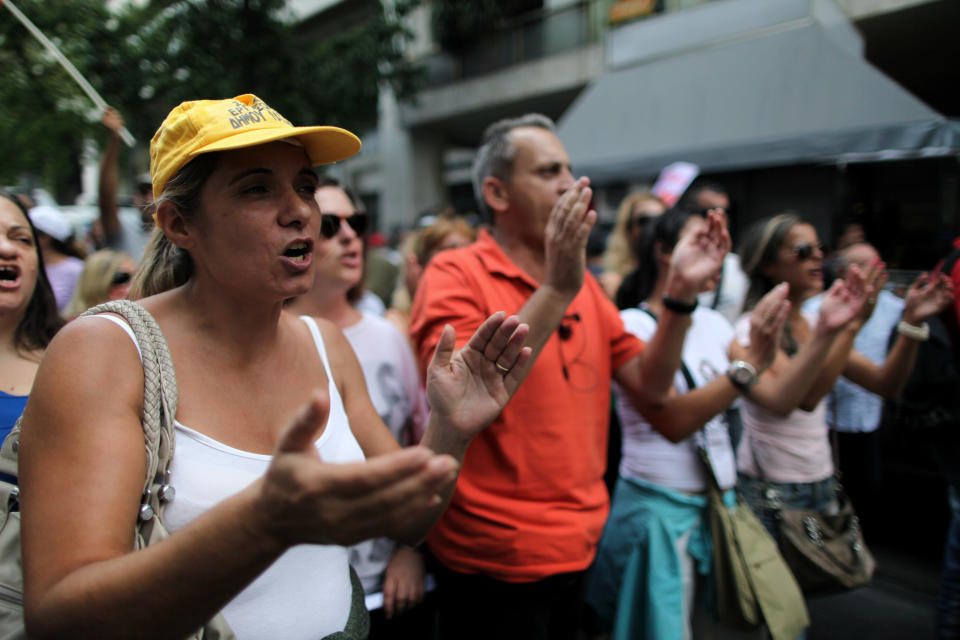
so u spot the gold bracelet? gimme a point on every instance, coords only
(914, 332)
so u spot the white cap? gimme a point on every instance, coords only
(50, 221)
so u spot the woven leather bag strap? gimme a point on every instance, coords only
(159, 385)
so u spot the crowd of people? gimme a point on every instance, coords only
(431, 463)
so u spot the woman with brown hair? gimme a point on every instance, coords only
(280, 456)
(784, 457)
(28, 310)
(447, 231)
(633, 216)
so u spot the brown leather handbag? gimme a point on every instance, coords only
(825, 549)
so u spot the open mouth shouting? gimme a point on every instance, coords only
(9, 276)
(299, 254)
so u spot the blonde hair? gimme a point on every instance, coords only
(428, 241)
(424, 245)
(619, 256)
(95, 281)
(760, 246)
(165, 265)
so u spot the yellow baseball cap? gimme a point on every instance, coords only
(202, 126)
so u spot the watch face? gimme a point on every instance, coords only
(742, 374)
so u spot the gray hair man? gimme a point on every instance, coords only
(531, 501)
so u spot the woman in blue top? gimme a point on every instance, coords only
(28, 312)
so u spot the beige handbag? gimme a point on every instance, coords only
(159, 409)
(754, 586)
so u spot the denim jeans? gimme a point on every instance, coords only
(765, 497)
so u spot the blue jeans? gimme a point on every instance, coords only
(765, 497)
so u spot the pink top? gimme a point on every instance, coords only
(791, 449)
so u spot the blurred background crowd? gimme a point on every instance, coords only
(817, 111)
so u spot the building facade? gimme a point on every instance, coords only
(834, 108)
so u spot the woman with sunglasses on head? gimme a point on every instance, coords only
(28, 310)
(106, 275)
(784, 456)
(636, 212)
(390, 372)
(280, 457)
(659, 512)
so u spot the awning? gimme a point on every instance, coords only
(796, 94)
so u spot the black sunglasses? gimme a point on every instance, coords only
(804, 250)
(639, 222)
(330, 223)
(120, 277)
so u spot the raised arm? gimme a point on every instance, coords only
(684, 414)
(107, 183)
(861, 289)
(924, 299)
(648, 378)
(466, 390)
(565, 249)
(788, 384)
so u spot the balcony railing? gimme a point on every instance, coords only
(535, 35)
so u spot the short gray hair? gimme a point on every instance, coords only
(496, 153)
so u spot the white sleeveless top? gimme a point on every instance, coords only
(647, 455)
(306, 593)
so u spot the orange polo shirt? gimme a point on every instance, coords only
(530, 501)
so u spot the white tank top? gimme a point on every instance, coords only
(306, 593)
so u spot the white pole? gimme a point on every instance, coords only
(66, 64)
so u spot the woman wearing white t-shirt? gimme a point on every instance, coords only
(642, 583)
(390, 372)
(784, 456)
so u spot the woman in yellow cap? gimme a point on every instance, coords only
(273, 423)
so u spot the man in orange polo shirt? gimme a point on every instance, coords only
(531, 503)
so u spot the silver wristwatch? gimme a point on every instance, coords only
(742, 375)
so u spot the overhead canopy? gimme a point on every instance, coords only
(790, 95)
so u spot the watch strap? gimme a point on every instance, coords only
(678, 306)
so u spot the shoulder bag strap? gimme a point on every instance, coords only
(716, 292)
(159, 386)
(159, 397)
(701, 441)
